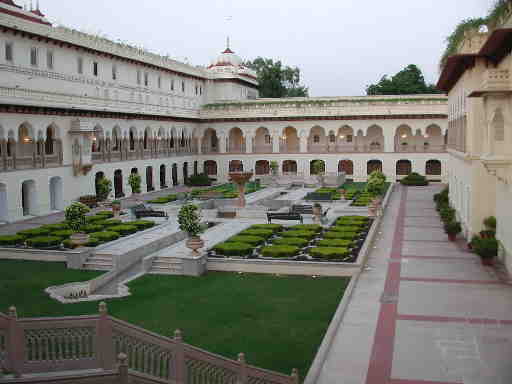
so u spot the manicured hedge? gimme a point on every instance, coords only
(272, 227)
(106, 214)
(307, 227)
(55, 227)
(94, 219)
(308, 235)
(105, 236)
(92, 228)
(164, 199)
(341, 235)
(265, 233)
(298, 242)
(142, 224)
(11, 240)
(280, 251)
(335, 243)
(44, 242)
(345, 228)
(111, 223)
(34, 232)
(414, 179)
(123, 230)
(64, 234)
(233, 249)
(252, 240)
(328, 252)
(93, 242)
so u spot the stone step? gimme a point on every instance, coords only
(100, 258)
(97, 267)
(164, 271)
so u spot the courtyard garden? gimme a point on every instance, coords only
(277, 321)
(340, 242)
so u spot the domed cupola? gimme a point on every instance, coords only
(226, 58)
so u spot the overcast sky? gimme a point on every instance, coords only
(340, 46)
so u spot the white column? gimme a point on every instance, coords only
(248, 144)
(199, 145)
(276, 139)
(303, 144)
(222, 144)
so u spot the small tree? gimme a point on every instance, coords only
(376, 183)
(189, 220)
(104, 187)
(318, 167)
(274, 167)
(134, 180)
(75, 215)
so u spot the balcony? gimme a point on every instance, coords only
(494, 81)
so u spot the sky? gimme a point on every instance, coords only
(340, 46)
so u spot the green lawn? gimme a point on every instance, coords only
(278, 321)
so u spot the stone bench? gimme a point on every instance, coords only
(140, 211)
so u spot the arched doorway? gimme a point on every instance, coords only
(290, 141)
(346, 166)
(185, 172)
(149, 179)
(196, 170)
(262, 141)
(433, 168)
(210, 141)
(373, 165)
(262, 167)
(56, 197)
(50, 140)
(3, 203)
(163, 181)
(118, 182)
(210, 167)
(236, 141)
(403, 167)
(289, 167)
(312, 170)
(28, 197)
(97, 178)
(375, 139)
(236, 166)
(174, 174)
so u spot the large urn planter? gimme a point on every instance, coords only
(317, 212)
(79, 239)
(194, 243)
(116, 208)
(240, 179)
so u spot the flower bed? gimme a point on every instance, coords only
(341, 242)
(225, 191)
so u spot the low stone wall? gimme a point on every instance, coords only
(44, 255)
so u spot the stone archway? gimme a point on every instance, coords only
(175, 174)
(149, 179)
(262, 167)
(118, 183)
(236, 166)
(28, 197)
(403, 167)
(433, 168)
(346, 166)
(289, 167)
(373, 165)
(163, 177)
(56, 194)
(210, 167)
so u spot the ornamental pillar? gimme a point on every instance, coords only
(275, 143)
(249, 141)
(303, 144)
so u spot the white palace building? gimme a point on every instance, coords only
(75, 106)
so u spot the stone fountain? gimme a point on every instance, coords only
(240, 179)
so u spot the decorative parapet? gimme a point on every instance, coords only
(500, 167)
(494, 81)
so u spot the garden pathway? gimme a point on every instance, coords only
(425, 311)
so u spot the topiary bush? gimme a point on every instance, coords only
(142, 224)
(414, 179)
(265, 233)
(252, 240)
(111, 223)
(280, 251)
(89, 228)
(341, 235)
(34, 232)
(11, 240)
(233, 249)
(64, 234)
(105, 236)
(335, 243)
(272, 227)
(164, 199)
(44, 242)
(123, 230)
(307, 227)
(308, 235)
(329, 252)
(298, 242)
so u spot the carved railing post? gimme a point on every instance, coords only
(295, 376)
(122, 368)
(104, 340)
(180, 369)
(242, 369)
(15, 344)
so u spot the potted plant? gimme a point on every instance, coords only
(487, 249)
(273, 167)
(135, 180)
(104, 187)
(75, 218)
(490, 228)
(318, 168)
(116, 208)
(452, 229)
(189, 221)
(473, 241)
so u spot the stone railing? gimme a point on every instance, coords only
(58, 344)
(496, 80)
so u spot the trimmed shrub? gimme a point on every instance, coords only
(93, 242)
(64, 234)
(201, 180)
(105, 236)
(273, 227)
(55, 227)
(335, 243)
(308, 235)
(279, 251)
(341, 235)
(164, 199)
(265, 233)
(11, 240)
(329, 252)
(94, 219)
(298, 242)
(414, 179)
(233, 249)
(486, 248)
(307, 227)
(252, 240)
(34, 232)
(105, 214)
(44, 242)
(89, 228)
(123, 230)
(345, 228)
(68, 244)
(142, 224)
(111, 223)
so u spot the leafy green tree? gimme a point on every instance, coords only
(408, 81)
(277, 80)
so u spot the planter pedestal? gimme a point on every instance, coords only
(79, 239)
(240, 179)
(195, 243)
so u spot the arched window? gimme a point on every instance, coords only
(332, 137)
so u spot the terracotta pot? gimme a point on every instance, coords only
(79, 239)
(194, 243)
(116, 209)
(487, 261)
(452, 236)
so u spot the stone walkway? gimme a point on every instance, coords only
(425, 311)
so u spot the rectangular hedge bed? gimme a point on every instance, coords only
(226, 191)
(359, 195)
(341, 242)
(100, 227)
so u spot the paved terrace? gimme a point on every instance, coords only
(425, 311)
